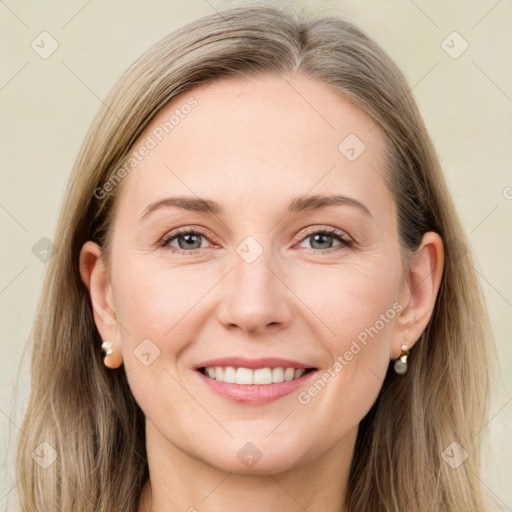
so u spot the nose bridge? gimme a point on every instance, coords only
(256, 297)
(252, 279)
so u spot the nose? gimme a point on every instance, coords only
(255, 298)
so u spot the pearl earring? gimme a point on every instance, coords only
(106, 346)
(400, 365)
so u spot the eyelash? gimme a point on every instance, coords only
(346, 242)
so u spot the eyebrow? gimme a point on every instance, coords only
(296, 205)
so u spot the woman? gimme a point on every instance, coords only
(263, 296)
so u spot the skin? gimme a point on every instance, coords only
(252, 146)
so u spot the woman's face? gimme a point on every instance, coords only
(294, 254)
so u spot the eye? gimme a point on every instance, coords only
(184, 240)
(322, 239)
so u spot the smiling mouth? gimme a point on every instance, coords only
(258, 376)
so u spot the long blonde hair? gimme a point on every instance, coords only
(88, 415)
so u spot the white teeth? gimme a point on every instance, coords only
(262, 376)
(244, 376)
(247, 376)
(298, 373)
(277, 375)
(229, 375)
(289, 374)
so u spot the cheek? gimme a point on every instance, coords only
(158, 307)
(341, 396)
(347, 300)
(356, 310)
(155, 299)
(161, 310)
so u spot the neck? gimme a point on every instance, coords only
(179, 481)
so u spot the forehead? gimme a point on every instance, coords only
(252, 140)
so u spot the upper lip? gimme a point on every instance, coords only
(262, 362)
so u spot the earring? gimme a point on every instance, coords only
(116, 360)
(400, 365)
(106, 346)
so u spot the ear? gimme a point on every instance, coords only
(419, 292)
(95, 277)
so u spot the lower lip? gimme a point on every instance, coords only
(255, 393)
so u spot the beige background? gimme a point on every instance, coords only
(48, 104)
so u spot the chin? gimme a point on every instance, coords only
(262, 457)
